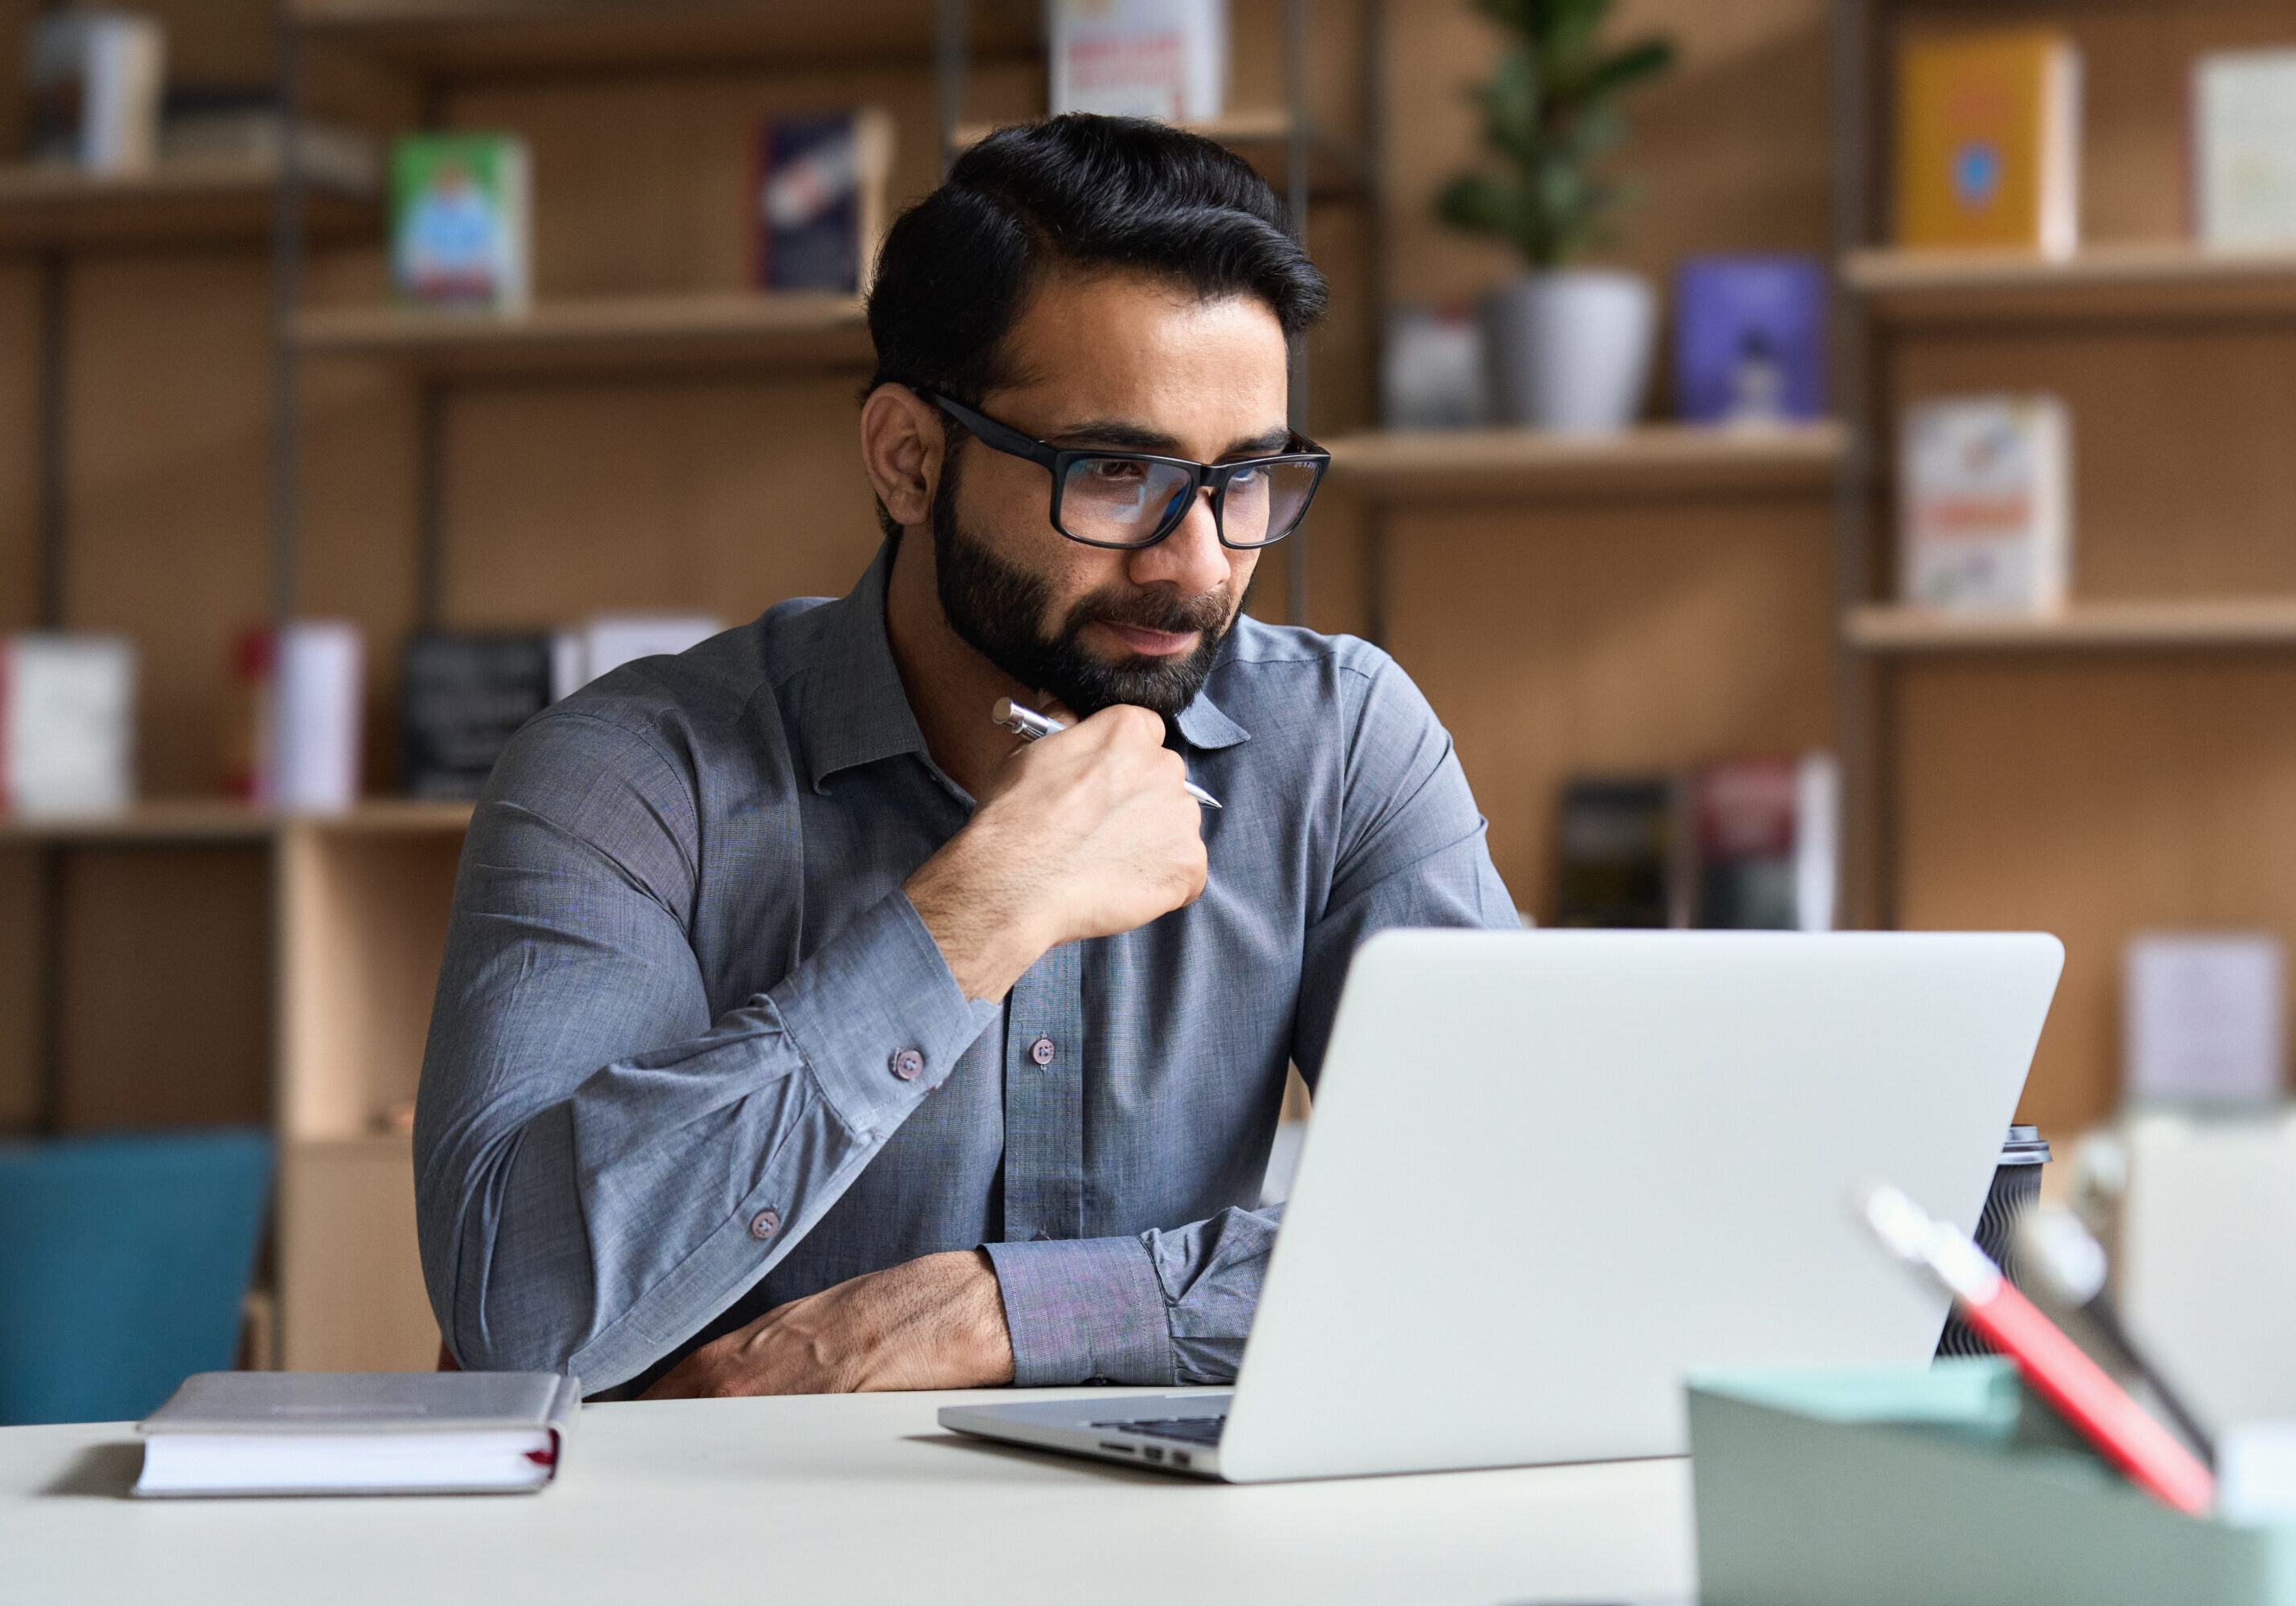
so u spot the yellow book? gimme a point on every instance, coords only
(1989, 141)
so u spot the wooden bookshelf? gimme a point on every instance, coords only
(1659, 458)
(2118, 766)
(2163, 625)
(792, 330)
(2104, 281)
(57, 208)
(536, 38)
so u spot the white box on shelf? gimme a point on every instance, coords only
(1139, 58)
(2202, 1018)
(96, 77)
(1985, 508)
(610, 640)
(318, 712)
(1433, 377)
(2243, 144)
(67, 722)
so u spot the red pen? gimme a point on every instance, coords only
(2057, 1368)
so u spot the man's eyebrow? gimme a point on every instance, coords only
(1118, 435)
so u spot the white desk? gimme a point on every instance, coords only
(837, 1499)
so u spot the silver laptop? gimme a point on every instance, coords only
(1549, 1174)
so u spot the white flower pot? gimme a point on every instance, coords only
(1570, 350)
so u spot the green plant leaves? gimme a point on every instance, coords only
(1552, 110)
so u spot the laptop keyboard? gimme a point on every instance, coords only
(1188, 1429)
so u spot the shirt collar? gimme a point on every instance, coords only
(856, 711)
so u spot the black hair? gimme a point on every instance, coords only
(1077, 191)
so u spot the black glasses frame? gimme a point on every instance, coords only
(1056, 461)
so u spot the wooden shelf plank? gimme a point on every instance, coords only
(496, 39)
(42, 205)
(158, 823)
(2101, 282)
(728, 329)
(395, 817)
(191, 821)
(2201, 622)
(1659, 458)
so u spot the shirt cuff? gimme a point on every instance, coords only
(1083, 1310)
(877, 1015)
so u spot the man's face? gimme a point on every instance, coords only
(1135, 365)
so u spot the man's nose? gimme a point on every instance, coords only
(1190, 558)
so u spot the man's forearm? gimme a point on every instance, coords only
(543, 1228)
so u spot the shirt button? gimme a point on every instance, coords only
(765, 1224)
(1041, 1051)
(909, 1065)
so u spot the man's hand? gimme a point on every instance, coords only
(937, 1323)
(1084, 834)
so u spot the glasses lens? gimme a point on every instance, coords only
(1266, 502)
(1119, 501)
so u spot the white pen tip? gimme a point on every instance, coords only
(1002, 711)
(1897, 1221)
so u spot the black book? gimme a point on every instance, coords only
(1618, 858)
(465, 695)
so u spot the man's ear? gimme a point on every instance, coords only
(902, 445)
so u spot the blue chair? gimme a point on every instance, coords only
(123, 1262)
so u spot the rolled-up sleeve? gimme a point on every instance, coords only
(601, 1167)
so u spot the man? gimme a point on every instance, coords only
(799, 1029)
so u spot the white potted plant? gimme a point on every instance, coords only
(1568, 348)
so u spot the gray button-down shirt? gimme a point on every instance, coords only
(694, 1054)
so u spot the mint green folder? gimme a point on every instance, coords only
(1945, 1484)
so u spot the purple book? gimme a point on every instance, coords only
(1749, 338)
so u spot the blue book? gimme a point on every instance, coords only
(1749, 338)
(818, 200)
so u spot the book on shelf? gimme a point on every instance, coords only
(1140, 58)
(582, 654)
(1767, 833)
(96, 78)
(465, 694)
(251, 1433)
(461, 223)
(298, 742)
(2243, 142)
(1738, 844)
(1985, 517)
(1989, 141)
(67, 722)
(2202, 1018)
(247, 125)
(1620, 853)
(1749, 338)
(818, 197)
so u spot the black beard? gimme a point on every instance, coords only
(997, 608)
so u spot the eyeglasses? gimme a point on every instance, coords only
(1132, 499)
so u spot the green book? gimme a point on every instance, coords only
(459, 222)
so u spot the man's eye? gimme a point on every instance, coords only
(1116, 470)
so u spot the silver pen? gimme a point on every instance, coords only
(1030, 726)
